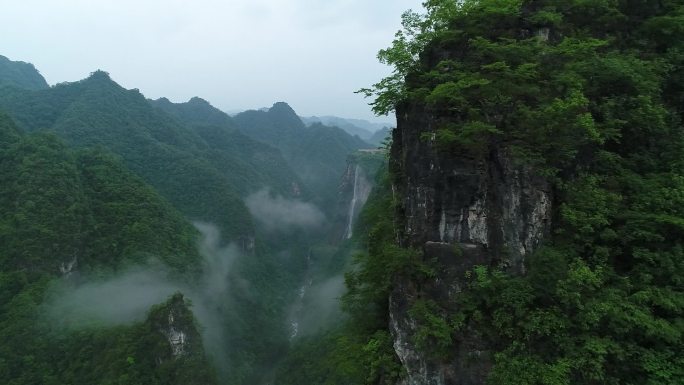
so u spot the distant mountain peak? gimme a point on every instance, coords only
(196, 100)
(282, 113)
(371, 132)
(99, 75)
(196, 111)
(281, 107)
(20, 74)
(100, 80)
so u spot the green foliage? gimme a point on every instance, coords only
(123, 215)
(589, 93)
(434, 334)
(370, 282)
(341, 357)
(191, 367)
(20, 74)
(317, 153)
(249, 165)
(60, 207)
(360, 349)
(135, 354)
(191, 154)
(96, 112)
(330, 359)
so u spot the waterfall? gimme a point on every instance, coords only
(352, 205)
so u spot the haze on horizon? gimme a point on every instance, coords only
(238, 55)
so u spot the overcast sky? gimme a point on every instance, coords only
(238, 54)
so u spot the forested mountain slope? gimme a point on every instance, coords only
(65, 218)
(20, 74)
(316, 153)
(258, 163)
(205, 171)
(538, 166)
(529, 229)
(201, 177)
(195, 112)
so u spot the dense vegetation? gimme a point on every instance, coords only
(20, 74)
(89, 216)
(252, 164)
(62, 211)
(590, 94)
(359, 349)
(98, 112)
(317, 153)
(202, 170)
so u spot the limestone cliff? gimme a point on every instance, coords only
(178, 350)
(461, 211)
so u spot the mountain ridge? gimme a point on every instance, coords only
(364, 129)
(317, 153)
(67, 216)
(20, 74)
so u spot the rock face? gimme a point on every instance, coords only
(174, 321)
(176, 345)
(462, 211)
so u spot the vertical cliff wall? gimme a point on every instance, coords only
(353, 191)
(461, 211)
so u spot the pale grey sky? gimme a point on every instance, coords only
(238, 54)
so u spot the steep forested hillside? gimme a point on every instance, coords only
(192, 155)
(65, 218)
(98, 112)
(316, 153)
(537, 167)
(197, 158)
(527, 227)
(20, 74)
(530, 226)
(195, 112)
(253, 164)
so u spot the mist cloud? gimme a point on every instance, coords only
(122, 299)
(318, 308)
(218, 261)
(278, 213)
(128, 296)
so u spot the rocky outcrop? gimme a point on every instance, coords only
(175, 322)
(462, 211)
(67, 268)
(174, 341)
